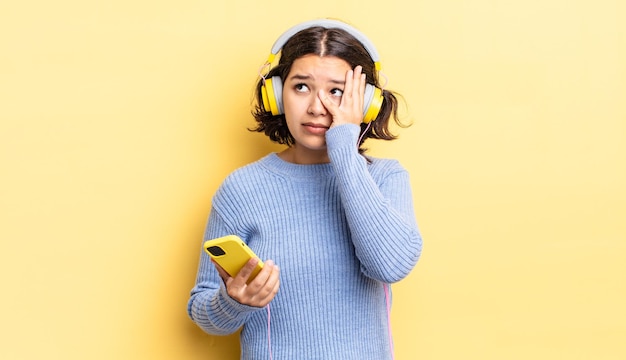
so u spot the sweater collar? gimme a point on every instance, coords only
(290, 170)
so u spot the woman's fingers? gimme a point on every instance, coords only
(350, 107)
(261, 290)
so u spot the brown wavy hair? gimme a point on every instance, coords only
(323, 41)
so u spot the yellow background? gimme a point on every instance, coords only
(119, 119)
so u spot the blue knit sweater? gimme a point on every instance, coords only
(338, 232)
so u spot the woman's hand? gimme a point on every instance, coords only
(350, 108)
(260, 291)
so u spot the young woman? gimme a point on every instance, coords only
(340, 224)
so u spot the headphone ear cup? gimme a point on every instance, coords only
(272, 95)
(373, 101)
(278, 94)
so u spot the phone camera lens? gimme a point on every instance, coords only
(216, 251)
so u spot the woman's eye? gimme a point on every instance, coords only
(301, 88)
(336, 92)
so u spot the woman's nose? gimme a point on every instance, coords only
(315, 106)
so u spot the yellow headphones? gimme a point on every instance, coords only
(272, 89)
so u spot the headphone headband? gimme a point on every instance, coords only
(328, 24)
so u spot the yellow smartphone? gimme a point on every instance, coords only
(231, 253)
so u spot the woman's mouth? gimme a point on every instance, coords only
(316, 129)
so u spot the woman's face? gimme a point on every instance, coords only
(307, 119)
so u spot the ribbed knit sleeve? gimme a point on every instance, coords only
(210, 306)
(380, 215)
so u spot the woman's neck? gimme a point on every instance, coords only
(298, 155)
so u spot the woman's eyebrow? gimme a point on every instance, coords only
(300, 77)
(309, 77)
(338, 82)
